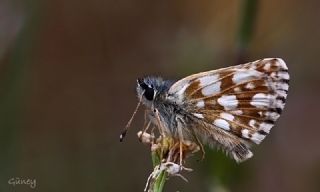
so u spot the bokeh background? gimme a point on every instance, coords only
(67, 79)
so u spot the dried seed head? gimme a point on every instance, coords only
(145, 138)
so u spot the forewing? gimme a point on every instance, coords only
(244, 100)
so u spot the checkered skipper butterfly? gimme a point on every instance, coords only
(230, 108)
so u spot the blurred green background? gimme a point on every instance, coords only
(67, 88)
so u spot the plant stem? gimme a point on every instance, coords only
(159, 182)
(246, 28)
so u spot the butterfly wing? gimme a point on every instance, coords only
(237, 105)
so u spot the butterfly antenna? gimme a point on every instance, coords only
(124, 132)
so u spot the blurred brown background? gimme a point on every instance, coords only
(67, 81)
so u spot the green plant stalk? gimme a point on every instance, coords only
(248, 18)
(160, 181)
(158, 184)
(246, 28)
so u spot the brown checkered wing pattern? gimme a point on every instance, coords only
(239, 104)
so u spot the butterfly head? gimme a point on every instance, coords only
(149, 88)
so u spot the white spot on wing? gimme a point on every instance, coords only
(245, 75)
(250, 85)
(237, 89)
(211, 89)
(279, 104)
(227, 116)
(265, 127)
(272, 115)
(237, 112)
(267, 66)
(260, 100)
(282, 64)
(228, 101)
(282, 86)
(273, 74)
(252, 123)
(257, 138)
(221, 123)
(248, 155)
(282, 93)
(245, 133)
(198, 115)
(284, 75)
(207, 80)
(211, 85)
(200, 104)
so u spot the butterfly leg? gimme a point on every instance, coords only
(180, 163)
(203, 153)
(180, 145)
(161, 130)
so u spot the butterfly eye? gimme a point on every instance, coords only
(149, 93)
(148, 90)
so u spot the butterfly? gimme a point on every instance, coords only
(229, 108)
